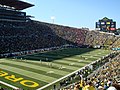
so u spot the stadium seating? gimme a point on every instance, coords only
(32, 35)
(116, 44)
(23, 36)
(99, 38)
(107, 76)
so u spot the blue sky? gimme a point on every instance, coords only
(75, 13)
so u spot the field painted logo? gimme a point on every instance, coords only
(27, 83)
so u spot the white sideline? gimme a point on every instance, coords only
(1, 82)
(64, 76)
(70, 74)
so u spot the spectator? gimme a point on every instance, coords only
(89, 86)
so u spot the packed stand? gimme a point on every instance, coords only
(32, 35)
(24, 36)
(99, 38)
(16, 37)
(105, 78)
(116, 44)
(75, 35)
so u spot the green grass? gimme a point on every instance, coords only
(44, 68)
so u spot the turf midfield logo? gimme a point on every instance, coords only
(22, 81)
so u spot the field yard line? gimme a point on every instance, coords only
(38, 67)
(68, 59)
(64, 61)
(58, 64)
(68, 62)
(63, 77)
(11, 86)
(71, 59)
(26, 73)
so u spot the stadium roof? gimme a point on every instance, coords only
(17, 4)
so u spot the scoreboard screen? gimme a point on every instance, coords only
(106, 24)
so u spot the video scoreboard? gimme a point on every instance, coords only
(106, 24)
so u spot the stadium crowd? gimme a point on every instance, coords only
(116, 44)
(104, 78)
(26, 36)
(99, 38)
(75, 35)
(32, 35)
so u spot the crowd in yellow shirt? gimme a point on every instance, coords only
(105, 79)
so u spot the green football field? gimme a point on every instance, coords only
(31, 72)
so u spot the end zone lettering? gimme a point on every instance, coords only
(13, 78)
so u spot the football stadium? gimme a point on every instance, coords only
(37, 55)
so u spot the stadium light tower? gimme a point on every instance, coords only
(53, 19)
